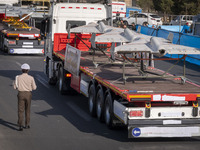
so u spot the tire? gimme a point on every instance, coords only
(108, 111)
(64, 83)
(100, 104)
(52, 81)
(61, 81)
(92, 100)
(145, 23)
(2, 43)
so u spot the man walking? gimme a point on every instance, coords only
(24, 83)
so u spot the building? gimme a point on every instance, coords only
(38, 3)
(129, 3)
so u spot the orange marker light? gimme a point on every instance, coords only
(68, 75)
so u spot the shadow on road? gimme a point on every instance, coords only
(8, 124)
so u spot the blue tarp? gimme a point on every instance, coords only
(179, 38)
(172, 28)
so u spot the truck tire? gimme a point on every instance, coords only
(52, 81)
(2, 42)
(145, 23)
(108, 111)
(64, 83)
(61, 81)
(92, 100)
(100, 104)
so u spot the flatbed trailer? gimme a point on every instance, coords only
(149, 107)
(20, 40)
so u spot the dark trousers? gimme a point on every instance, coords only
(24, 104)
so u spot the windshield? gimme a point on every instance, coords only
(154, 16)
(75, 23)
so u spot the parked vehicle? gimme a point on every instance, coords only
(143, 18)
(195, 26)
(182, 20)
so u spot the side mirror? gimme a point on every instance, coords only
(68, 30)
(44, 28)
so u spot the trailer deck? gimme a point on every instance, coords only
(11, 32)
(112, 74)
(22, 31)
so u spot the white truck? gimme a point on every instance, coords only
(75, 14)
(61, 15)
(10, 2)
(118, 8)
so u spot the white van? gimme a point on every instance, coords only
(76, 14)
(185, 20)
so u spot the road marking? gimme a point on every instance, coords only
(19, 64)
(42, 81)
(79, 111)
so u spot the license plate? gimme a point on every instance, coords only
(28, 43)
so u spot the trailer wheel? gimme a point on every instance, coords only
(145, 23)
(61, 81)
(100, 104)
(2, 42)
(108, 111)
(64, 82)
(52, 81)
(92, 100)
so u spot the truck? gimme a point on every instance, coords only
(122, 88)
(18, 38)
(10, 2)
(118, 9)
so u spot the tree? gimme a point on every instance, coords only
(166, 6)
(186, 7)
(146, 5)
(175, 7)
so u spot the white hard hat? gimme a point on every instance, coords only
(25, 66)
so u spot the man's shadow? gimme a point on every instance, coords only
(8, 124)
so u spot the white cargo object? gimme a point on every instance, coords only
(9, 1)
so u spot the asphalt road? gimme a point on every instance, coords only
(63, 122)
